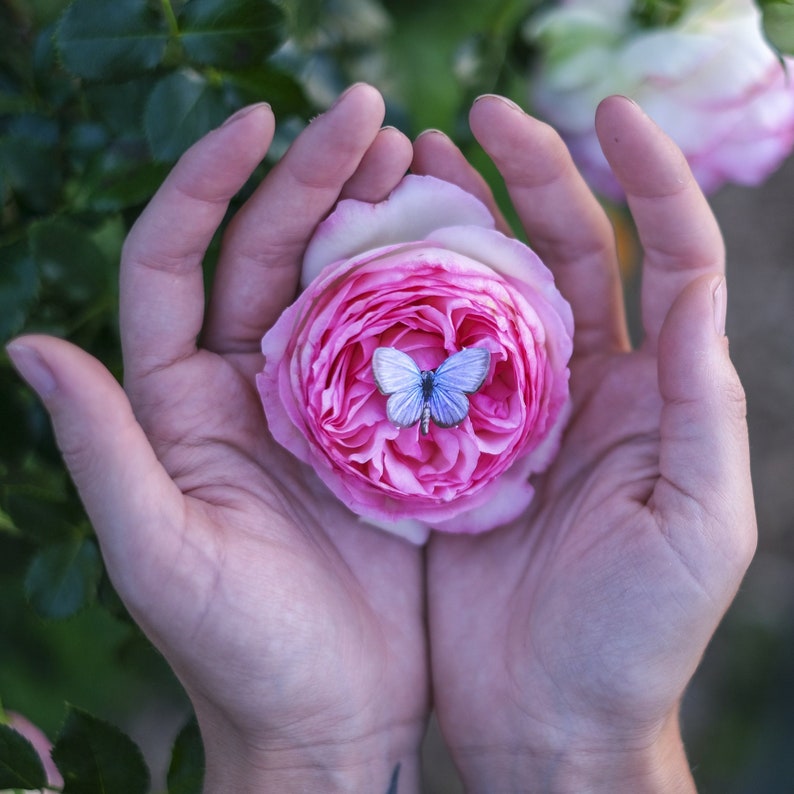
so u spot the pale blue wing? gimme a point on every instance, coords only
(448, 407)
(464, 371)
(395, 371)
(404, 407)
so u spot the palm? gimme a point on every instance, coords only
(265, 565)
(590, 589)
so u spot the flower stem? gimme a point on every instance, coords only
(170, 16)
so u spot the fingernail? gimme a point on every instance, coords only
(430, 132)
(243, 112)
(719, 295)
(625, 98)
(503, 99)
(32, 367)
(344, 93)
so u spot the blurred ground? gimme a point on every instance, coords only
(738, 715)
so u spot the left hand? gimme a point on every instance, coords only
(297, 631)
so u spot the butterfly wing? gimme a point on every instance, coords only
(461, 374)
(463, 371)
(397, 374)
(404, 408)
(395, 371)
(448, 407)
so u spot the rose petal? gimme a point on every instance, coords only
(417, 206)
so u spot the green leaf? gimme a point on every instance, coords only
(264, 83)
(95, 757)
(63, 578)
(69, 262)
(20, 765)
(32, 170)
(120, 106)
(98, 40)
(230, 33)
(19, 285)
(127, 187)
(42, 514)
(186, 771)
(778, 20)
(182, 108)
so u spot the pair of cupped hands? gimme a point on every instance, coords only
(554, 651)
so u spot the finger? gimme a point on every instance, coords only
(133, 504)
(259, 267)
(436, 155)
(382, 167)
(162, 294)
(564, 222)
(677, 230)
(704, 495)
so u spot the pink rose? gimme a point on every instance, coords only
(424, 272)
(708, 77)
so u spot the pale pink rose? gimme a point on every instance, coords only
(41, 744)
(709, 79)
(425, 272)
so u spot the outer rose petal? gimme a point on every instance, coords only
(416, 207)
(453, 287)
(506, 499)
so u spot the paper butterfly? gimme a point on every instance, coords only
(421, 395)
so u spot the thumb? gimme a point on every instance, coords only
(131, 500)
(704, 495)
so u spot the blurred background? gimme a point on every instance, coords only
(89, 128)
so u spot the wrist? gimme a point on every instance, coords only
(654, 763)
(244, 765)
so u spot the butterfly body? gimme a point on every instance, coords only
(421, 395)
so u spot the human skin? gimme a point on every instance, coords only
(562, 644)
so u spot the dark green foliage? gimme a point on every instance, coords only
(101, 41)
(186, 771)
(95, 757)
(20, 766)
(97, 101)
(63, 577)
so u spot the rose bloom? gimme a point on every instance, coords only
(708, 78)
(425, 272)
